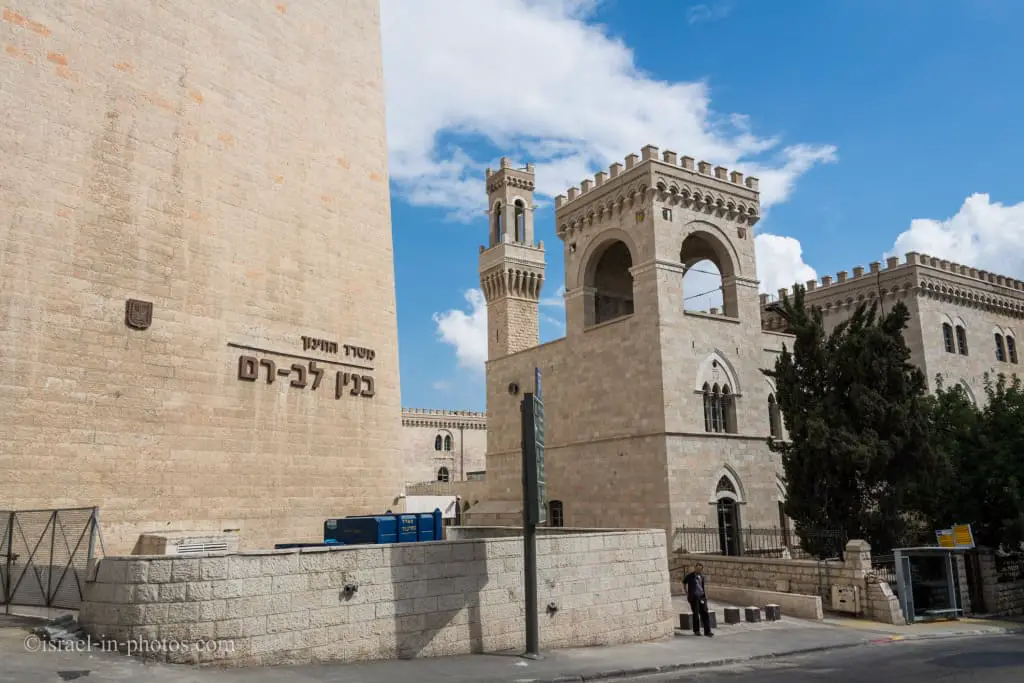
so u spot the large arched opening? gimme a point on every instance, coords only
(709, 283)
(609, 283)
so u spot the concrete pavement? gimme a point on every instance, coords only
(992, 659)
(732, 644)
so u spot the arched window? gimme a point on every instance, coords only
(437, 442)
(556, 513)
(443, 475)
(947, 338)
(1011, 349)
(496, 229)
(448, 442)
(719, 417)
(961, 340)
(774, 418)
(728, 517)
(1000, 349)
(520, 220)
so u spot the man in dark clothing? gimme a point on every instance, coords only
(694, 582)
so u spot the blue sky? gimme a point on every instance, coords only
(876, 126)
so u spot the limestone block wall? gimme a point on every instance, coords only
(1009, 598)
(1000, 598)
(806, 577)
(411, 600)
(225, 165)
(787, 576)
(881, 603)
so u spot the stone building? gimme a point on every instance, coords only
(197, 301)
(963, 323)
(446, 446)
(655, 416)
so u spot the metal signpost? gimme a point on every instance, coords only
(534, 507)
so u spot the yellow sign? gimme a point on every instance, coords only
(945, 538)
(963, 537)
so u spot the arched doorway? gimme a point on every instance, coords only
(728, 510)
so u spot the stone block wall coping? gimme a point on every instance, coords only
(576, 533)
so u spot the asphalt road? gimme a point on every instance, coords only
(982, 659)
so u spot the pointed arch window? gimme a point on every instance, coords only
(774, 418)
(519, 212)
(448, 442)
(1011, 349)
(947, 338)
(719, 417)
(438, 442)
(1000, 348)
(961, 340)
(443, 474)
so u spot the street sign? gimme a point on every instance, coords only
(960, 536)
(534, 482)
(963, 537)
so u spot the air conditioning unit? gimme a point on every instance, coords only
(186, 543)
(846, 599)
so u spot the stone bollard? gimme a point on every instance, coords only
(685, 622)
(732, 615)
(712, 619)
(772, 613)
(753, 615)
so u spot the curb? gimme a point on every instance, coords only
(681, 666)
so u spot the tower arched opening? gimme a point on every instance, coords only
(709, 283)
(610, 283)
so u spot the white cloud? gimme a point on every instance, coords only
(466, 331)
(442, 386)
(983, 234)
(533, 79)
(556, 300)
(780, 263)
(702, 14)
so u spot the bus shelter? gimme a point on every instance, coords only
(927, 583)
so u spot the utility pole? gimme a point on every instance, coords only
(534, 507)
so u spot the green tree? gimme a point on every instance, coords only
(981, 462)
(856, 414)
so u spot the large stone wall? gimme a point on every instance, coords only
(425, 599)
(806, 577)
(226, 163)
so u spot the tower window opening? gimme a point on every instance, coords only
(520, 220)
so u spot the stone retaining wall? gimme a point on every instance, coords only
(410, 600)
(805, 577)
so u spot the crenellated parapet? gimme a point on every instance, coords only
(923, 274)
(443, 419)
(695, 185)
(507, 175)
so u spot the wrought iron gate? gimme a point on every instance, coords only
(45, 556)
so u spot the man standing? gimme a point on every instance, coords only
(694, 582)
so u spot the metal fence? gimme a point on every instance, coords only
(1009, 567)
(884, 567)
(773, 542)
(45, 556)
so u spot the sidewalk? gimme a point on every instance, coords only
(681, 652)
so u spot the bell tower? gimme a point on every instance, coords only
(511, 265)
